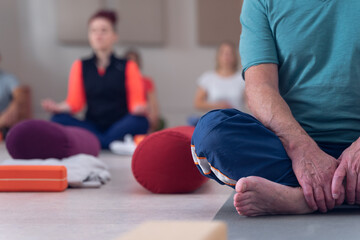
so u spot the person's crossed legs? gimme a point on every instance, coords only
(129, 124)
(235, 149)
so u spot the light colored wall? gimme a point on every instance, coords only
(30, 50)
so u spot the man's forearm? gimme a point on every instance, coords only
(313, 167)
(269, 107)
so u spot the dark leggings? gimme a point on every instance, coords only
(129, 124)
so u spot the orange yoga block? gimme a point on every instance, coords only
(33, 178)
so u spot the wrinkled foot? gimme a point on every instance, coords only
(258, 196)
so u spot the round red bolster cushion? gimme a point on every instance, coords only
(162, 163)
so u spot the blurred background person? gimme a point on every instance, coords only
(14, 102)
(156, 121)
(223, 87)
(112, 88)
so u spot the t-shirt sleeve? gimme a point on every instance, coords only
(76, 98)
(257, 44)
(135, 87)
(11, 82)
(203, 81)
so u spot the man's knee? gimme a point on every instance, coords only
(210, 146)
(215, 127)
(213, 139)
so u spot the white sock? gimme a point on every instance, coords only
(126, 147)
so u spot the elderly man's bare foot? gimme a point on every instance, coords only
(258, 196)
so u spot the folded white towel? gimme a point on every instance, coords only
(83, 171)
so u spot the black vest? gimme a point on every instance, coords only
(105, 95)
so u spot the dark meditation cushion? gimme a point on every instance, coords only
(38, 139)
(162, 163)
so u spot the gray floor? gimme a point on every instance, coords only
(100, 213)
(341, 223)
(122, 204)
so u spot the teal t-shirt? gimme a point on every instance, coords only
(316, 44)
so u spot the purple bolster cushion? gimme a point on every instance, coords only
(39, 139)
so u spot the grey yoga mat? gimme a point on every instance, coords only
(341, 223)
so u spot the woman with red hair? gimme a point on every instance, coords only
(110, 87)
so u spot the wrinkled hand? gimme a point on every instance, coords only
(314, 170)
(348, 171)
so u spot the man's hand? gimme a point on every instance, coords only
(314, 170)
(350, 168)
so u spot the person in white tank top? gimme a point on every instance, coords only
(223, 87)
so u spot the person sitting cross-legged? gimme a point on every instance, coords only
(111, 88)
(300, 151)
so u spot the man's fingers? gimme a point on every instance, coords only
(337, 181)
(357, 194)
(309, 197)
(330, 201)
(341, 198)
(320, 199)
(351, 181)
